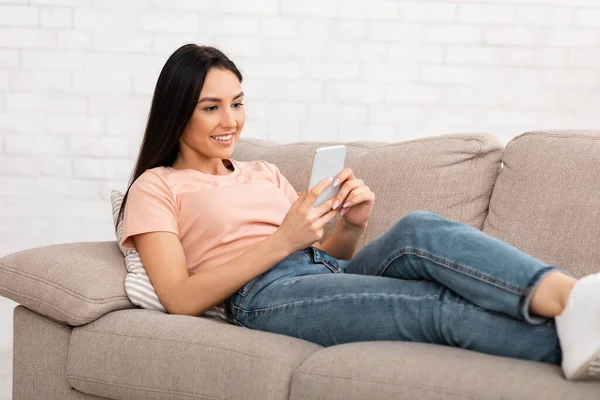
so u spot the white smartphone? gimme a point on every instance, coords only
(328, 162)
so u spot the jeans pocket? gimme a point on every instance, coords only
(319, 256)
(248, 286)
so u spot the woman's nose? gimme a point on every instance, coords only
(227, 120)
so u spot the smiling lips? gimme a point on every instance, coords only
(224, 137)
(224, 140)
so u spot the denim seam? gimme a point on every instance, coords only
(238, 323)
(307, 254)
(461, 269)
(245, 295)
(327, 298)
(331, 267)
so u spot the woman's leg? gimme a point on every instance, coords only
(484, 270)
(550, 296)
(307, 296)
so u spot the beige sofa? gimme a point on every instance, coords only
(77, 336)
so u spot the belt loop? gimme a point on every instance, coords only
(317, 254)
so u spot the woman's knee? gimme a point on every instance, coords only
(412, 224)
(415, 220)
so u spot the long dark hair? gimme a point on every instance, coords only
(173, 103)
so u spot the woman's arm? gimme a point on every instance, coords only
(342, 244)
(164, 260)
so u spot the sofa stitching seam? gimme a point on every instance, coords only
(73, 318)
(556, 135)
(61, 325)
(58, 287)
(469, 184)
(143, 388)
(403, 384)
(87, 330)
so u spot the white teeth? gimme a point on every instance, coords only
(224, 138)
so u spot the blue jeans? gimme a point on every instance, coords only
(427, 279)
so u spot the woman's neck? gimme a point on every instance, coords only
(227, 164)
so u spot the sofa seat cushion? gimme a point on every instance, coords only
(143, 354)
(452, 175)
(546, 200)
(400, 370)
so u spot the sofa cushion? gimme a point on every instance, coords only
(396, 370)
(142, 354)
(546, 200)
(73, 283)
(452, 175)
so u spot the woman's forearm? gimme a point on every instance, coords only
(206, 289)
(342, 244)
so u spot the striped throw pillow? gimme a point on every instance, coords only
(138, 287)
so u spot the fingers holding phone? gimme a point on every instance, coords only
(355, 200)
(310, 201)
(303, 224)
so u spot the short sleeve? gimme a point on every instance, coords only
(150, 207)
(283, 184)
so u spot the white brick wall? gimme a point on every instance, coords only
(76, 80)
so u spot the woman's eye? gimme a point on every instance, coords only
(211, 108)
(238, 105)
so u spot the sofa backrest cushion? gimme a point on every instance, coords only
(452, 175)
(546, 201)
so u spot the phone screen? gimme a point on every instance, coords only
(328, 162)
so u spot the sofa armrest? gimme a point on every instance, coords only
(73, 283)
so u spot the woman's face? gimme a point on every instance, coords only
(218, 113)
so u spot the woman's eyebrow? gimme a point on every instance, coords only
(217, 100)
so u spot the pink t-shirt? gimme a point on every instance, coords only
(217, 217)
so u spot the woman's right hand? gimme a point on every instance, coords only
(303, 224)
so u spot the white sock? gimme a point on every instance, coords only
(578, 329)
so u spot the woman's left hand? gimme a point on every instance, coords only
(355, 199)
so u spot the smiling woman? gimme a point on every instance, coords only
(213, 231)
(215, 124)
(197, 95)
(189, 207)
